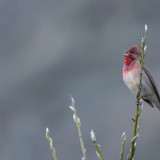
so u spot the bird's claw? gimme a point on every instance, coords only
(141, 87)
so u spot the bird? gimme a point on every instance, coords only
(131, 75)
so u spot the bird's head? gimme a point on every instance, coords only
(133, 53)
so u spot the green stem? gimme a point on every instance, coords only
(81, 141)
(138, 97)
(135, 131)
(53, 153)
(121, 155)
(78, 124)
(51, 144)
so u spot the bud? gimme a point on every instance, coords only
(78, 120)
(72, 99)
(54, 151)
(93, 137)
(50, 142)
(143, 40)
(145, 48)
(47, 132)
(146, 28)
(99, 146)
(141, 105)
(134, 138)
(72, 108)
(123, 138)
(98, 155)
(74, 117)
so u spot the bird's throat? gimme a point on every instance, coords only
(128, 63)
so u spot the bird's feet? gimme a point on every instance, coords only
(141, 87)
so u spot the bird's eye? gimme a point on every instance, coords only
(131, 52)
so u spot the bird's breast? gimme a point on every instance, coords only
(131, 76)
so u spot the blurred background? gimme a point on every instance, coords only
(53, 48)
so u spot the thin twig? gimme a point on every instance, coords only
(97, 146)
(123, 138)
(138, 98)
(51, 144)
(78, 124)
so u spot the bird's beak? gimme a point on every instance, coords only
(125, 53)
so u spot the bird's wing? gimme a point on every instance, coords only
(149, 102)
(152, 82)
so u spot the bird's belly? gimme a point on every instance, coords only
(131, 80)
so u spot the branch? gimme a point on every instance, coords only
(78, 124)
(97, 146)
(123, 138)
(51, 144)
(138, 98)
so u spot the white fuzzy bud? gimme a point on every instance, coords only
(72, 99)
(74, 117)
(123, 138)
(145, 48)
(146, 28)
(141, 105)
(54, 151)
(98, 155)
(50, 142)
(93, 137)
(79, 121)
(134, 138)
(47, 132)
(72, 108)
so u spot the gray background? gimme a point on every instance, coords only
(50, 49)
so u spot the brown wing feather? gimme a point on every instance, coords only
(152, 82)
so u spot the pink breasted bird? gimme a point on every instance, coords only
(131, 74)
